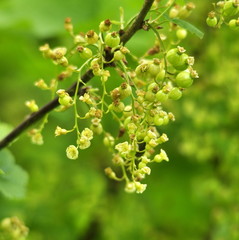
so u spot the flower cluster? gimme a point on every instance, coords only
(224, 12)
(137, 104)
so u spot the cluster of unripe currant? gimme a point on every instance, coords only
(224, 12)
(136, 104)
(13, 229)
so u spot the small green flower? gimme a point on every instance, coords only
(72, 152)
(124, 148)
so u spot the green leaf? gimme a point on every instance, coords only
(13, 179)
(4, 129)
(186, 25)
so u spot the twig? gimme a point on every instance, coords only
(34, 117)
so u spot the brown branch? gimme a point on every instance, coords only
(138, 22)
(34, 117)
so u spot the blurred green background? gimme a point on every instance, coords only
(193, 197)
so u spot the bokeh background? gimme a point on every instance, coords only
(193, 197)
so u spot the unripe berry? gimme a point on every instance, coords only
(125, 90)
(142, 70)
(105, 25)
(150, 96)
(234, 24)
(158, 121)
(181, 33)
(173, 13)
(118, 55)
(161, 75)
(177, 58)
(211, 19)
(161, 96)
(184, 79)
(112, 39)
(91, 37)
(154, 87)
(186, 10)
(117, 106)
(175, 93)
(154, 68)
(109, 141)
(85, 53)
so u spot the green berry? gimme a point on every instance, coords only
(181, 33)
(158, 121)
(177, 58)
(175, 93)
(91, 37)
(85, 53)
(142, 70)
(125, 90)
(112, 39)
(154, 87)
(154, 68)
(161, 96)
(184, 79)
(118, 55)
(161, 75)
(150, 96)
(234, 24)
(211, 22)
(105, 25)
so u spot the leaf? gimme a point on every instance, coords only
(13, 179)
(4, 129)
(186, 25)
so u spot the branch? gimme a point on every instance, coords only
(137, 24)
(33, 118)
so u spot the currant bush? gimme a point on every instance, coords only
(136, 104)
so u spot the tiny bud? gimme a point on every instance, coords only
(41, 84)
(68, 25)
(60, 131)
(32, 105)
(105, 25)
(91, 37)
(110, 173)
(161, 156)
